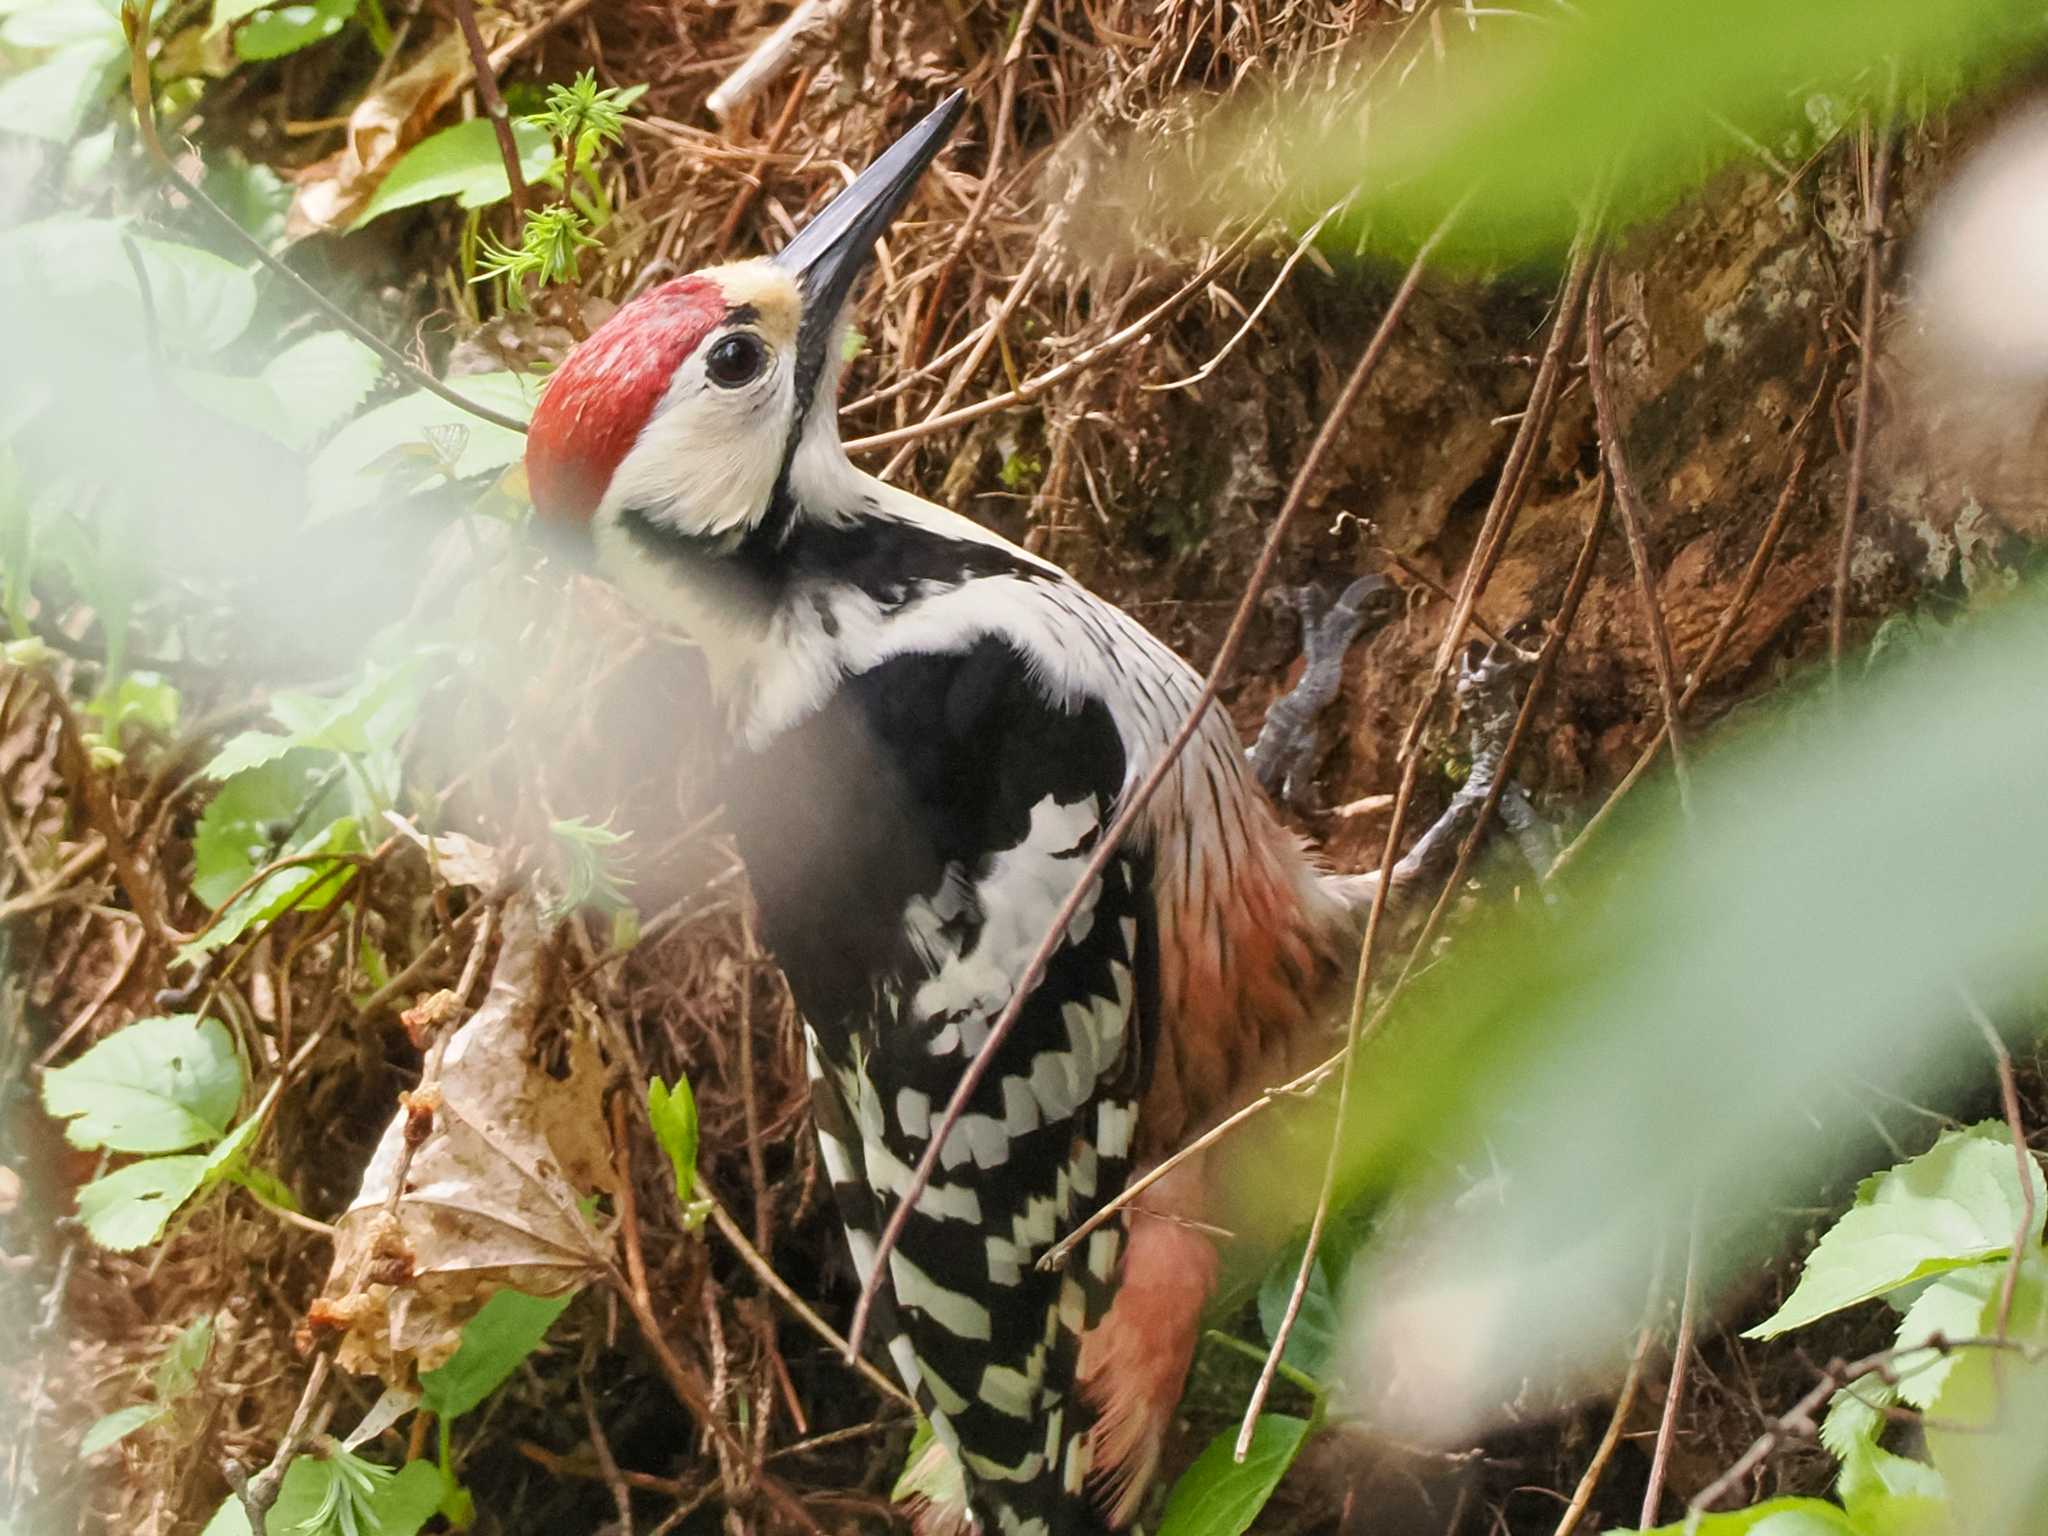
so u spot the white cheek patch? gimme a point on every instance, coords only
(707, 460)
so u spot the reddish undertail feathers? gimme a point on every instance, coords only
(605, 391)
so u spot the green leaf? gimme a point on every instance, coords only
(1952, 1307)
(1569, 1080)
(1218, 1496)
(462, 162)
(308, 887)
(673, 1113)
(352, 472)
(140, 698)
(50, 100)
(129, 1207)
(178, 1372)
(1774, 1517)
(237, 832)
(117, 1426)
(157, 1086)
(320, 380)
(275, 33)
(394, 1505)
(62, 24)
(1312, 1343)
(1954, 1205)
(1986, 1429)
(1529, 112)
(79, 268)
(508, 1329)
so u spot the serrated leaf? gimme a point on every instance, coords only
(178, 1372)
(673, 1114)
(129, 1207)
(1219, 1496)
(508, 1329)
(274, 33)
(117, 1426)
(158, 1085)
(1952, 1307)
(1855, 1418)
(345, 477)
(1954, 1205)
(1986, 1429)
(463, 162)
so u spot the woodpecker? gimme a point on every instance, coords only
(930, 728)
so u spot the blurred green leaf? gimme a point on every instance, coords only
(129, 1207)
(274, 33)
(352, 473)
(178, 1372)
(1531, 109)
(673, 1113)
(930, 1471)
(316, 1490)
(1952, 1206)
(159, 1085)
(1219, 1496)
(1986, 1429)
(1312, 1343)
(306, 887)
(1567, 1082)
(251, 812)
(51, 99)
(63, 23)
(463, 162)
(510, 1327)
(117, 1426)
(1776, 1517)
(80, 267)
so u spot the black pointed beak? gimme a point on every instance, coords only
(828, 256)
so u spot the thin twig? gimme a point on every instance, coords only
(1032, 388)
(984, 196)
(1628, 503)
(750, 186)
(1136, 801)
(1674, 1393)
(494, 105)
(1582, 1495)
(2009, 1094)
(1878, 158)
(1702, 671)
(1546, 665)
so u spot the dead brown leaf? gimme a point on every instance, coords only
(490, 1194)
(383, 126)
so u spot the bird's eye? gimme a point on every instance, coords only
(735, 360)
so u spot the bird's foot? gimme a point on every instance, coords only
(1289, 744)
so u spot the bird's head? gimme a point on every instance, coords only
(677, 441)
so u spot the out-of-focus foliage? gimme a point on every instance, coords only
(1530, 111)
(1551, 1101)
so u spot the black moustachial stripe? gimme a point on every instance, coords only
(919, 829)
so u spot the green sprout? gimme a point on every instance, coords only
(548, 249)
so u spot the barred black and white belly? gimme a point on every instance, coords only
(909, 844)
